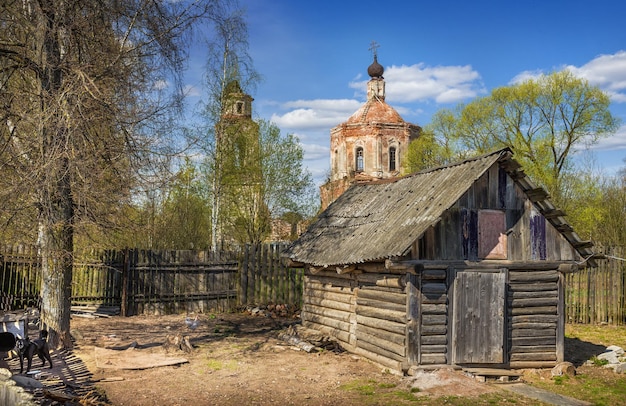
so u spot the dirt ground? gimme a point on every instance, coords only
(238, 359)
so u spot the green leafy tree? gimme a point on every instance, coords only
(183, 217)
(437, 145)
(596, 206)
(614, 204)
(266, 179)
(544, 120)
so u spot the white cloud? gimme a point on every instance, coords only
(526, 75)
(315, 114)
(345, 105)
(615, 142)
(608, 72)
(442, 84)
(316, 151)
(160, 84)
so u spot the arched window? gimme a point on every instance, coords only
(392, 159)
(359, 159)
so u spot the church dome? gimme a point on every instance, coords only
(375, 70)
(375, 111)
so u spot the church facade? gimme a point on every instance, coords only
(371, 144)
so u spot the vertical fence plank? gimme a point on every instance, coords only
(243, 280)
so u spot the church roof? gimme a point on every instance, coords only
(375, 111)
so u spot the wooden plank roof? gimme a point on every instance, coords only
(381, 220)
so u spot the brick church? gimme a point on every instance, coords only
(371, 144)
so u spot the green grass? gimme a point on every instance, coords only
(216, 365)
(599, 362)
(594, 384)
(598, 334)
(372, 392)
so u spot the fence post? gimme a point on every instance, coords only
(125, 271)
(244, 265)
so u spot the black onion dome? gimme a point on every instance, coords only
(375, 70)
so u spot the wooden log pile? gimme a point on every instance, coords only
(309, 340)
(282, 310)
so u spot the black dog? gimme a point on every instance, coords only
(27, 348)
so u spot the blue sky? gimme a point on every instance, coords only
(313, 57)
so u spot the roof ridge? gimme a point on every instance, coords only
(501, 152)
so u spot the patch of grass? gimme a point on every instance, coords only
(599, 362)
(372, 392)
(598, 334)
(367, 388)
(596, 385)
(593, 383)
(216, 365)
(496, 399)
(399, 395)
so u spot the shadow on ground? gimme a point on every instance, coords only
(69, 382)
(577, 351)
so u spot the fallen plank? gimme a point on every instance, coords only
(133, 358)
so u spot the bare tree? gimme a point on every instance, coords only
(88, 90)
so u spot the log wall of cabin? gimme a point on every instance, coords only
(434, 327)
(381, 321)
(529, 236)
(535, 321)
(329, 304)
(366, 312)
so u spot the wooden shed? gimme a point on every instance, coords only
(460, 265)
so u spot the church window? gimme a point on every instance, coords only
(359, 159)
(392, 159)
(239, 107)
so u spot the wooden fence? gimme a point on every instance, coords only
(20, 277)
(159, 282)
(597, 295)
(143, 281)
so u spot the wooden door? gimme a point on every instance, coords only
(479, 317)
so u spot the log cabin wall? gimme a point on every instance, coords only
(434, 334)
(365, 311)
(329, 304)
(535, 318)
(381, 320)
